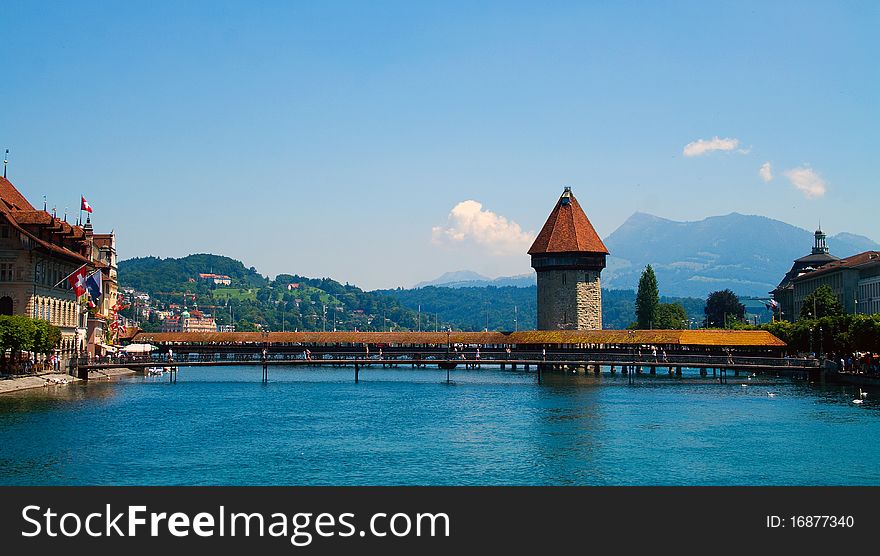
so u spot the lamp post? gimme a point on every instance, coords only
(811, 340)
(820, 343)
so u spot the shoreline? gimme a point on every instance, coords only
(29, 382)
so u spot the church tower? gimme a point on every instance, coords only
(568, 257)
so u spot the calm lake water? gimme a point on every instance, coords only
(222, 426)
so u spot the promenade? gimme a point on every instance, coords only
(28, 382)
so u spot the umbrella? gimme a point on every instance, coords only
(138, 348)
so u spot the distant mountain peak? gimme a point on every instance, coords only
(470, 279)
(454, 276)
(747, 253)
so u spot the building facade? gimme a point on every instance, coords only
(38, 251)
(216, 279)
(854, 280)
(194, 321)
(568, 257)
(784, 293)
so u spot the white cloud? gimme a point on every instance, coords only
(703, 146)
(807, 181)
(469, 222)
(766, 172)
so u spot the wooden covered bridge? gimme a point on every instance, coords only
(624, 350)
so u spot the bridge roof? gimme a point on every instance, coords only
(720, 338)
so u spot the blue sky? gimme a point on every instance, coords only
(345, 139)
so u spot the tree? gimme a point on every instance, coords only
(16, 335)
(671, 316)
(647, 299)
(722, 307)
(46, 337)
(821, 303)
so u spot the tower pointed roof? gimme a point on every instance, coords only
(567, 230)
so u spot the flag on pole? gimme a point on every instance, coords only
(85, 205)
(94, 285)
(77, 281)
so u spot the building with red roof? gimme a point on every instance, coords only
(568, 257)
(38, 251)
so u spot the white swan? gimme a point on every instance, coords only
(771, 394)
(862, 395)
(859, 401)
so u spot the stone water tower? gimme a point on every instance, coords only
(568, 257)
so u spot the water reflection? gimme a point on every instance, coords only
(54, 397)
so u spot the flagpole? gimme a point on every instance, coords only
(81, 195)
(68, 276)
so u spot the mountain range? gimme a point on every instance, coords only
(746, 253)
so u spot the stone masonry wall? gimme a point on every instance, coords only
(569, 299)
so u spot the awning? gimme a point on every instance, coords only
(138, 348)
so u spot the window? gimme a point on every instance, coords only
(6, 272)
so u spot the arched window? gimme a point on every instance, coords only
(5, 305)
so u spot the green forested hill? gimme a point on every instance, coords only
(293, 302)
(150, 274)
(468, 308)
(252, 299)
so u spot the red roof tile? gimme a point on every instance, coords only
(567, 230)
(12, 196)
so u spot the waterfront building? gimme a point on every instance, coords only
(568, 257)
(38, 251)
(854, 280)
(784, 292)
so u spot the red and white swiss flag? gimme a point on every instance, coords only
(77, 281)
(85, 205)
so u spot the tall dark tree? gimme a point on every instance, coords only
(723, 309)
(647, 299)
(821, 303)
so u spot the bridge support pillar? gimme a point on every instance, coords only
(714, 372)
(513, 366)
(653, 370)
(678, 371)
(624, 369)
(357, 369)
(503, 366)
(669, 371)
(703, 371)
(736, 372)
(527, 367)
(596, 369)
(612, 369)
